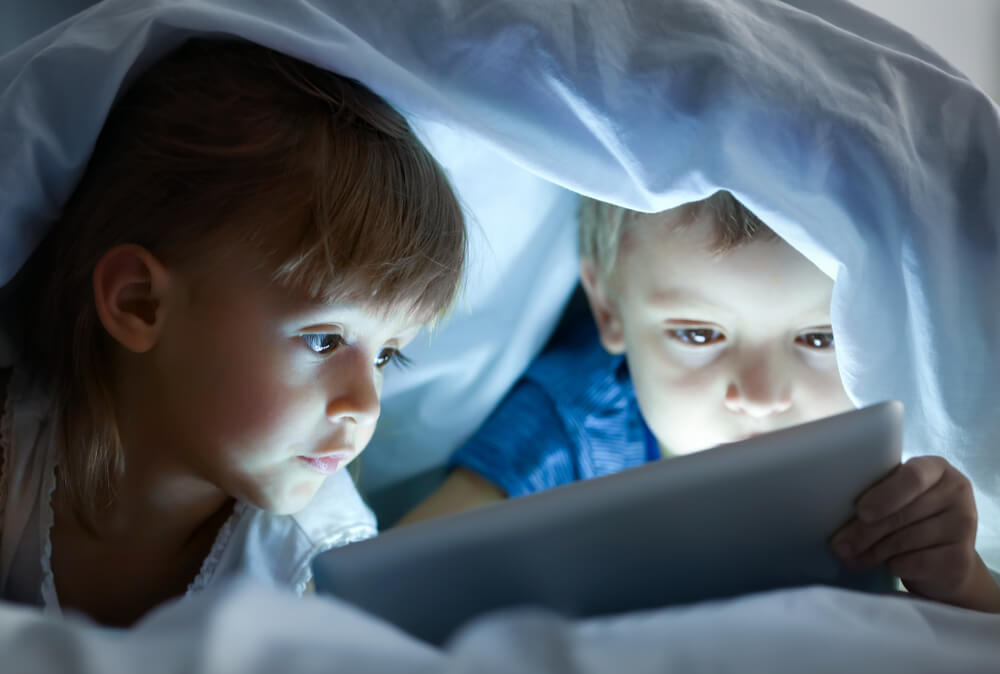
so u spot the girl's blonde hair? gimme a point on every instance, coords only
(602, 226)
(222, 138)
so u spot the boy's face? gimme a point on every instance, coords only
(263, 394)
(720, 346)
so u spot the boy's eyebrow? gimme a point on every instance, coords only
(666, 297)
(662, 297)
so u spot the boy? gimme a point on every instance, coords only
(713, 330)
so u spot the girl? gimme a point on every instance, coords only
(206, 330)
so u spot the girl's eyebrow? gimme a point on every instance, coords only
(308, 310)
(318, 315)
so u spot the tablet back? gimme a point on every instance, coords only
(743, 517)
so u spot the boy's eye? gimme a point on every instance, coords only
(819, 340)
(322, 342)
(388, 355)
(697, 336)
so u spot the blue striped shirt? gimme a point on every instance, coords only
(571, 416)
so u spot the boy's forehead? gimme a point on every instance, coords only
(680, 267)
(673, 226)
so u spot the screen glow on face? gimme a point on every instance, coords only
(267, 393)
(724, 346)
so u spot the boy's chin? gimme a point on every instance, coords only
(681, 449)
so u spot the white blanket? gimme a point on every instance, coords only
(855, 142)
(245, 629)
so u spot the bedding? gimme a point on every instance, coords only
(246, 628)
(854, 141)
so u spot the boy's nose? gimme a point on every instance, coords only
(353, 392)
(760, 390)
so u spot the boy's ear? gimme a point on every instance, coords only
(130, 292)
(604, 308)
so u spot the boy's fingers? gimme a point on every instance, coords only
(901, 487)
(934, 571)
(952, 528)
(858, 537)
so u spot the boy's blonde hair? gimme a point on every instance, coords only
(225, 139)
(602, 226)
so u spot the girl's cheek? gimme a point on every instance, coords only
(255, 400)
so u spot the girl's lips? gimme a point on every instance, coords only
(325, 464)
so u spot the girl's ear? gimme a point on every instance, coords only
(604, 307)
(130, 292)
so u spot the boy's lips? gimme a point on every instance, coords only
(327, 463)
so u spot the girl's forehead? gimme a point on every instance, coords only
(302, 308)
(291, 280)
(251, 278)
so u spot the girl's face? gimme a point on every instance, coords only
(264, 394)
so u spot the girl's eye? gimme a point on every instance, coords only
(322, 342)
(697, 336)
(388, 355)
(819, 340)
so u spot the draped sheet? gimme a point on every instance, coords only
(854, 141)
(245, 628)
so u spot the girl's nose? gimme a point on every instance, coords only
(353, 391)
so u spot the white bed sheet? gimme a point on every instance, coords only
(246, 628)
(855, 142)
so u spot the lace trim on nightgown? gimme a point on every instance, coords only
(50, 600)
(211, 563)
(355, 534)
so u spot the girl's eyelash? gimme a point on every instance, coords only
(391, 355)
(325, 343)
(322, 343)
(401, 360)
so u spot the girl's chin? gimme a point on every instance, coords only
(293, 498)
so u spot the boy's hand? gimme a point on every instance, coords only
(920, 521)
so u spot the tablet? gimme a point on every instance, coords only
(743, 517)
